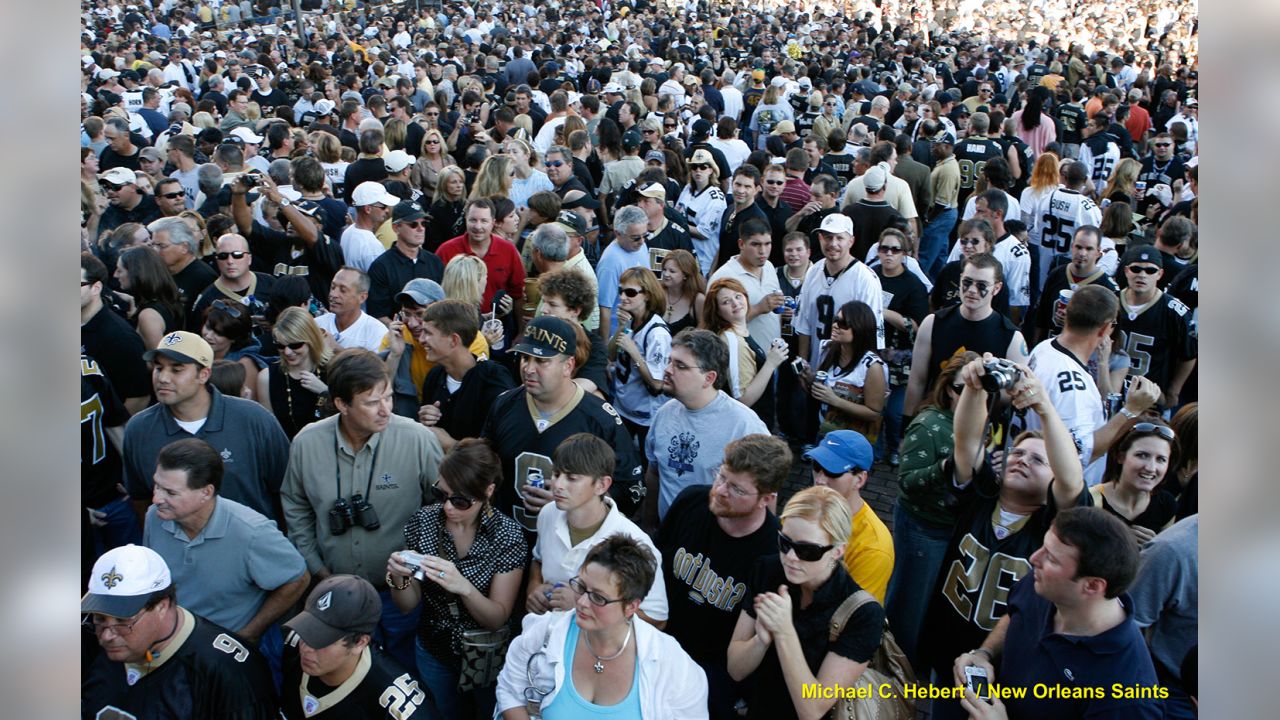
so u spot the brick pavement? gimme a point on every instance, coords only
(880, 491)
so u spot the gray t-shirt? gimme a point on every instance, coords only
(687, 446)
(1166, 594)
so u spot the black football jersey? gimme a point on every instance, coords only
(378, 689)
(100, 408)
(972, 155)
(1158, 338)
(206, 672)
(1073, 118)
(526, 448)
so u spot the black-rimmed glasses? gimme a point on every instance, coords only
(596, 598)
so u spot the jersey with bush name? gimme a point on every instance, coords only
(987, 554)
(379, 688)
(525, 441)
(204, 672)
(1157, 337)
(100, 408)
(1056, 219)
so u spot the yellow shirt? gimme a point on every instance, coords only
(419, 365)
(868, 556)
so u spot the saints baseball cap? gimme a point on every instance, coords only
(340, 605)
(372, 193)
(1142, 254)
(421, 292)
(407, 211)
(119, 176)
(653, 189)
(123, 580)
(547, 337)
(944, 136)
(786, 126)
(572, 222)
(324, 107)
(842, 451)
(398, 160)
(183, 347)
(836, 223)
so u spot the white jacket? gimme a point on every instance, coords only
(672, 685)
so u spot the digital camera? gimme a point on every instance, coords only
(1000, 375)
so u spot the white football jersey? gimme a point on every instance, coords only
(821, 296)
(1056, 218)
(1074, 395)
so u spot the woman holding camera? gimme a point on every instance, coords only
(465, 571)
(851, 381)
(781, 639)
(599, 659)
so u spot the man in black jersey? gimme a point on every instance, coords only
(1001, 520)
(527, 423)
(1081, 271)
(102, 420)
(971, 325)
(1162, 166)
(157, 659)
(331, 664)
(1070, 112)
(710, 540)
(1155, 327)
(973, 153)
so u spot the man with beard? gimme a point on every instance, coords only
(710, 542)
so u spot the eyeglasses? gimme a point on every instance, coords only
(699, 167)
(159, 247)
(120, 629)
(629, 292)
(234, 254)
(172, 195)
(720, 479)
(596, 598)
(554, 163)
(970, 242)
(461, 502)
(415, 224)
(1028, 457)
(433, 142)
(294, 346)
(1143, 269)
(227, 307)
(982, 285)
(109, 187)
(888, 250)
(806, 551)
(775, 182)
(1163, 431)
(1162, 144)
(434, 114)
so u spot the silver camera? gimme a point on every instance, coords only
(1000, 375)
(416, 561)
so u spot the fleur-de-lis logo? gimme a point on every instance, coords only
(111, 578)
(172, 338)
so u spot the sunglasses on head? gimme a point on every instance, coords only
(629, 292)
(461, 502)
(236, 254)
(806, 551)
(1163, 431)
(295, 346)
(1143, 269)
(227, 307)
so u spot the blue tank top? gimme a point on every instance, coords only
(569, 705)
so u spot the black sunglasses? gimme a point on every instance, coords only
(227, 307)
(461, 502)
(806, 551)
(629, 292)
(237, 254)
(1143, 269)
(888, 250)
(1163, 431)
(295, 346)
(172, 195)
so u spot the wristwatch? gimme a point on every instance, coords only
(285, 202)
(1128, 413)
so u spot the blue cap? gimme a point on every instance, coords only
(842, 451)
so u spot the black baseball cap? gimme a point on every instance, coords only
(572, 222)
(547, 337)
(338, 606)
(407, 211)
(1142, 254)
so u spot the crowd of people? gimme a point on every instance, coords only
(497, 360)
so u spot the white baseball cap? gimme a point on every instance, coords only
(123, 580)
(398, 160)
(248, 135)
(836, 223)
(372, 193)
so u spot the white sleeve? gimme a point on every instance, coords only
(970, 207)
(1018, 277)
(710, 217)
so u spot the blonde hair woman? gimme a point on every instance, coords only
(1121, 185)
(203, 120)
(464, 279)
(394, 133)
(293, 388)
(1044, 180)
(447, 206)
(432, 158)
(528, 179)
(494, 178)
(328, 150)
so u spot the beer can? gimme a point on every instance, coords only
(820, 377)
(534, 478)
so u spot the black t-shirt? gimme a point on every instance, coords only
(870, 218)
(512, 430)
(380, 688)
(142, 213)
(362, 170)
(1056, 283)
(111, 159)
(777, 217)
(946, 291)
(212, 674)
(980, 567)
(595, 368)
(118, 349)
(391, 271)
(100, 408)
(952, 333)
(768, 696)
(906, 295)
(192, 281)
(463, 413)
(706, 572)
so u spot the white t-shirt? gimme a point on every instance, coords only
(822, 296)
(735, 151)
(1074, 395)
(366, 332)
(360, 248)
(765, 327)
(704, 211)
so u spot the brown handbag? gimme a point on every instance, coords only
(888, 666)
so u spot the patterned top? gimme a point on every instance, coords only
(499, 547)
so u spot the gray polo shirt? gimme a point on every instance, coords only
(254, 449)
(225, 573)
(397, 466)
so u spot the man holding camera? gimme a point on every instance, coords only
(354, 479)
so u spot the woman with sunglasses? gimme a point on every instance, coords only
(751, 368)
(599, 659)
(902, 316)
(468, 577)
(974, 236)
(293, 388)
(528, 178)
(686, 290)
(432, 159)
(639, 350)
(154, 307)
(853, 394)
(703, 203)
(228, 328)
(447, 206)
(1131, 485)
(922, 517)
(780, 643)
